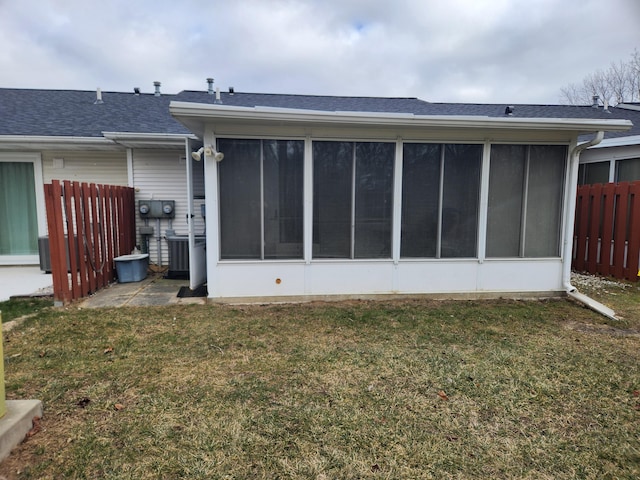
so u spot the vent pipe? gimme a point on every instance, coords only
(218, 100)
(595, 101)
(136, 91)
(157, 85)
(210, 86)
(98, 97)
(231, 91)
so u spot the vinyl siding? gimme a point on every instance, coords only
(162, 175)
(109, 168)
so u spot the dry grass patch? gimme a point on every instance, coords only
(410, 389)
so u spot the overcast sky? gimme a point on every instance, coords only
(475, 51)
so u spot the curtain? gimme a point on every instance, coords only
(18, 211)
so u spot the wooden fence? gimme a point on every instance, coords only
(607, 230)
(89, 225)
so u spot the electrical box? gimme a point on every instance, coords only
(157, 208)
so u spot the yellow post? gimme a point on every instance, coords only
(3, 404)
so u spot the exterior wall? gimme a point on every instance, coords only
(161, 175)
(361, 278)
(109, 168)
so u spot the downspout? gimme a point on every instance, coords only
(568, 238)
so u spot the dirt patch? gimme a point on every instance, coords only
(602, 329)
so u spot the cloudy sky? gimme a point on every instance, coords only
(513, 51)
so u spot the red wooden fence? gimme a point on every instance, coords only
(89, 225)
(607, 230)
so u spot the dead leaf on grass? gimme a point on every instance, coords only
(108, 350)
(636, 393)
(118, 406)
(35, 428)
(442, 395)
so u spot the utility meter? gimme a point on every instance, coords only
(144, 208)
(167, 208)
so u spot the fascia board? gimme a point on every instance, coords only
(210, 113)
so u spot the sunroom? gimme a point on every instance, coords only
(310, 204)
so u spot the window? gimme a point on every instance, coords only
(261, 202)
(440, 198)
(18, 211)
(352, 199)
(628, 170)
(590, 173)
(525, 200)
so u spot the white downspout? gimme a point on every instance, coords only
(568, 237)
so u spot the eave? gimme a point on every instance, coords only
(109, 141)
(41, 142)
(149, 140)
(195, 116)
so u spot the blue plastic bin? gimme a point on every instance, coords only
(132, 268)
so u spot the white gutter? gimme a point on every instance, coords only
(58, 140)
(133, 140)
(256, 114)
(572, 292)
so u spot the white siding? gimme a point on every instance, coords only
(162, 175)
(109, 168)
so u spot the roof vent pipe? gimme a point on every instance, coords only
(595, 101)
(157, 85)
(98, 97)
(218, 100)
(136, 91)
(210, 86)
(231, 91)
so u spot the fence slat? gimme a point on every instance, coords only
(581, 224)
(633, 252)
(595, 196)
(620, 229)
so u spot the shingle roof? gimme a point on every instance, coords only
(75, 113)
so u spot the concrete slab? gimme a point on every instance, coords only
(152, 291)
(16, 423)
(23, 281)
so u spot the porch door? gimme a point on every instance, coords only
(18, 210)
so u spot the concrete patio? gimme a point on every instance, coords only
(24, 281)
(152, 291)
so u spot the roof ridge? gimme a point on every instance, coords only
(236, 92)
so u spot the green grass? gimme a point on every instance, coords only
(16, 308)
(406, 389)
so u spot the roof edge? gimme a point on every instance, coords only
(225, 112)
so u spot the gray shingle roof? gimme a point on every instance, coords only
(74, 113)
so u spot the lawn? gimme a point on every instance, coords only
(395, 389)
(16, 308)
